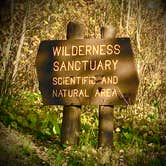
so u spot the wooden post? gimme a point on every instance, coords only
(71, 114)
(105, 137)
(70, 125)
(105, 126)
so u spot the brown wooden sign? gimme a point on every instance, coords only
(87, 71)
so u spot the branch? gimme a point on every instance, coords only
(7, 50)
(18, 55)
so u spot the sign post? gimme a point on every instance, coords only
(71, 113)
(105, 136)
(79, 71)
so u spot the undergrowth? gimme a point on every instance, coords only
(138, 140)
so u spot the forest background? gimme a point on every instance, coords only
(30, 132)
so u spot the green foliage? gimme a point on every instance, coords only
(137, 137)
(89, 125)
(139, 130)
(155, 162)
(25, 111)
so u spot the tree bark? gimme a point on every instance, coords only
(18, 55)
(105, 137)
(71, 114)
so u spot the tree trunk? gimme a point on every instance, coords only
(71, 114)
(18, 55)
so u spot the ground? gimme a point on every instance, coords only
(17, 149)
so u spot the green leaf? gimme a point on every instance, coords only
(14, 124)
(56, 129)
(32, 118)
(156, 104)
(59, 158)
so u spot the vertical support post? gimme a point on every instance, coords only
(71, 114)
(105, 137)
(105, 126)
(70, 125)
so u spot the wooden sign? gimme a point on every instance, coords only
(87, 71)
